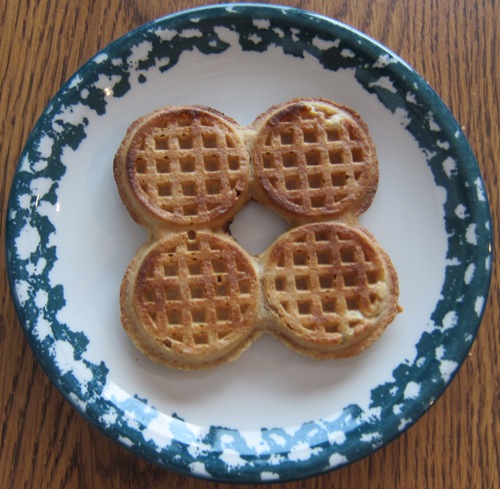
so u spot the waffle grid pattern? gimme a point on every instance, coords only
(191, 170)
(326, 279)
(196, 294)
(315, 162)
(197, 291)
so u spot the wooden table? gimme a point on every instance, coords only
(454, 44)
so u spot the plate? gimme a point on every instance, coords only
(273, 414)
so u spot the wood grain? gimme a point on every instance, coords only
(44, 443)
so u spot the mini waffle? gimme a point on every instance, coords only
(192, 298)
(189, 301)
(182, 166)
(331, 287)
(315, 159)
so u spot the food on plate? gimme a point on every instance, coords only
(314, 159)
(192, 298)
(182, 167)
(331, 288)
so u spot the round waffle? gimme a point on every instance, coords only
(182, 166)
(189, 300)
(331, 287)
(314, 159)
(192, 298)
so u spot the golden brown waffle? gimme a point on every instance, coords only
(182, 166)
(190, 300)
(331, 287)
(315, 159)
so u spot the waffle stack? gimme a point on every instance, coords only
(192, 298)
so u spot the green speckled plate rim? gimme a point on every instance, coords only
(460, 306)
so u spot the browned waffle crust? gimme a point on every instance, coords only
(331, 287)
(183, 166)
(315, 159)
(192, 298)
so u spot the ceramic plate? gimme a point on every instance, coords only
(273, 414)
